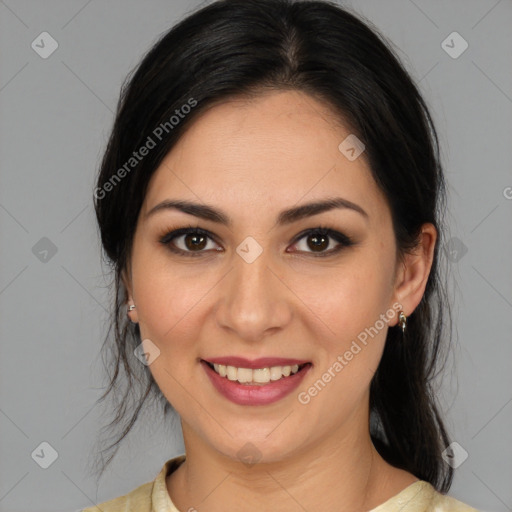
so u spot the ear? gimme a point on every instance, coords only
(412, 277)
(126, 279)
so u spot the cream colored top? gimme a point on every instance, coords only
(420, 496)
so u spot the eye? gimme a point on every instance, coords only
(319, 239)
(189, 241)
(193, 241)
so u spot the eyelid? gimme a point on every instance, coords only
(172, 234)
(343, 240)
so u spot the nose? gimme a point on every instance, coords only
(254, 300)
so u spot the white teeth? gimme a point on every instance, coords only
(258, 375)
(275, 373)
(231, 372)
(244, 375)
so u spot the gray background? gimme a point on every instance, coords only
(55, 115)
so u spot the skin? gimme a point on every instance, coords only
(252, 159)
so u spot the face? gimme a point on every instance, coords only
(261, 285)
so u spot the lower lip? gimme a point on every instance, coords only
(255, 394)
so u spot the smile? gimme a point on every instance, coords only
(255, 386)
(256, 375)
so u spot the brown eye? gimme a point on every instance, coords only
(188, 241)
(316, 242)
(195, 241)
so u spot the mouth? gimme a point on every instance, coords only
(256, 376)
(253, 383)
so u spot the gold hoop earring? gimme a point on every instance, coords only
(402, 321)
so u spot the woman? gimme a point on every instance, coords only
(271, 200)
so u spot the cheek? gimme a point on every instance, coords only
(170, 312)
(350, 353)
(349, 302)
(168, 302)
(348, 298)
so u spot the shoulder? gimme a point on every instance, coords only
(139, 499)
(421, 496)
(146, 497)
(443, 503)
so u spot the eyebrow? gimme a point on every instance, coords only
(285, 217)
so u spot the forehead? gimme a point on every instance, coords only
(276, 149)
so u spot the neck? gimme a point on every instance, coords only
(341, 473)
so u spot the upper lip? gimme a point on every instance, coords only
(262, 362)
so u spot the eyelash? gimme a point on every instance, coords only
(342, 239)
